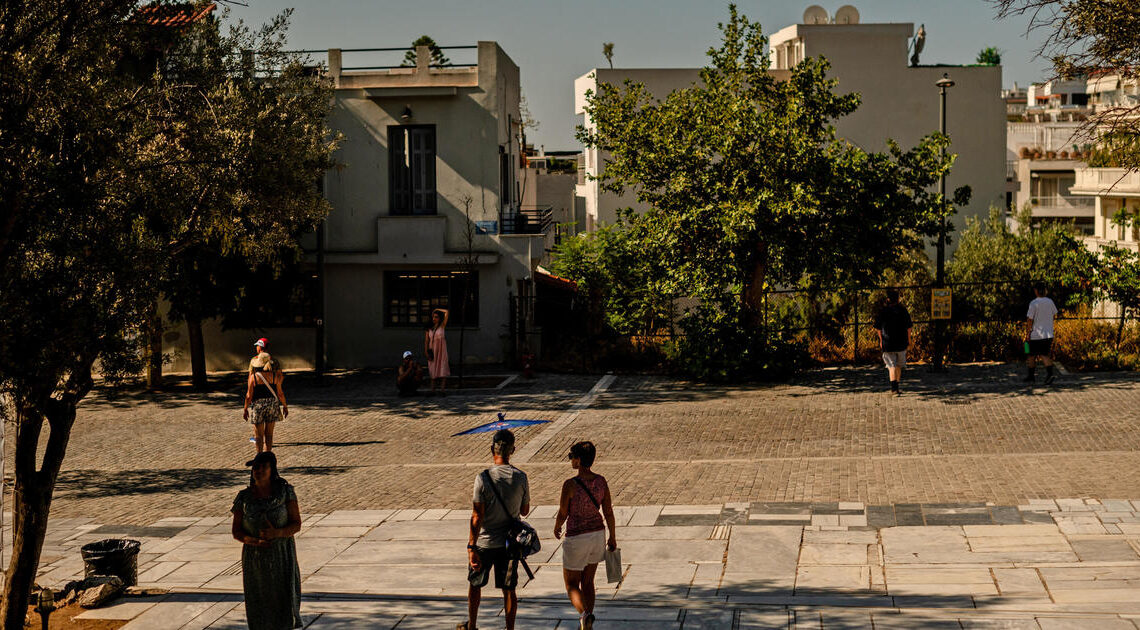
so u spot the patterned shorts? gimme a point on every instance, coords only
(265, 410)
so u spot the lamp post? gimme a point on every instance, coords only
(943, 84)
(46, 606)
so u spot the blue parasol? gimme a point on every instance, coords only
(501, 423)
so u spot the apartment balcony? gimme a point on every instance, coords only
(528, 220)
(1107, 182)
(1063, 206)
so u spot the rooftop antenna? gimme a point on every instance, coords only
(816, 14)
(847, 14)
(917, 44)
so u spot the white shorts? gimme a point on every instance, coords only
(895, 359)
(583, 549)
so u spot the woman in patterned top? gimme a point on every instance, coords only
(266, 517)
(583, 496)
(263, 393)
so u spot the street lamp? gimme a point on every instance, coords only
(943, 84)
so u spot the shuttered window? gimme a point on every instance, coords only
(411, 171)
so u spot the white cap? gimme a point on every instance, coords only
(407, 354)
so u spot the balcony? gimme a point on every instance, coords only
(1063, 206)
(528, 220)
(1106, 182)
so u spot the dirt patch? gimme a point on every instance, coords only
(64, 619)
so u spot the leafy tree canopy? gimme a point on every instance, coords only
(749, 187)
(116, 160)
(232, 145)
(999, 263)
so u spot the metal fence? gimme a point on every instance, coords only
(834, 324)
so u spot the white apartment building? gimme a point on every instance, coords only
(1111, 189)
(899, 102)
(1044, 148)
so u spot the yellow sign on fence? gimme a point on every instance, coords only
(940, 304)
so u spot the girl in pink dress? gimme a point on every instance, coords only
(435, 349)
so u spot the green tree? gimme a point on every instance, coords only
(1118, 279)
(437, 56)
(608, 53)
(990, 56)
(997, 265)
(749, 187)
(87, 154)
(1084, 38)
(231, 148)
(75, 260)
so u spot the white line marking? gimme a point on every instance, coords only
(535, 445)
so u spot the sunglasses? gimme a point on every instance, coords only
(573, 456)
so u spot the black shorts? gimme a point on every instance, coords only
(1040, 347)
(506, 568)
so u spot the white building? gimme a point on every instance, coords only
(899, 102)
(1111, 190)
(430, 156)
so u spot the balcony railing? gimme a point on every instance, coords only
(528, 220)
(1063, 201)
(1063, 206)
(1106, 181)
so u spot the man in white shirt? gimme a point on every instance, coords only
(1039, 333)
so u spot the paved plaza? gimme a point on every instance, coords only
(972, 501)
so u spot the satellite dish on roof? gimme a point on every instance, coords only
(816, 14)
(847, 14)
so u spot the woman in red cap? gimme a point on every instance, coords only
(265, 395)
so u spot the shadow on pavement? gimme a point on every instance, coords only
(958, 384)
(83, 484)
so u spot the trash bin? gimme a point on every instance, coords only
(113, 556)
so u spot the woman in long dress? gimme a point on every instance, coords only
(435, 349)
(266, 517)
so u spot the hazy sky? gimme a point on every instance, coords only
(553, 42)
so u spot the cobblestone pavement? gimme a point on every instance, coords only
(1068, 563)
(972, 434)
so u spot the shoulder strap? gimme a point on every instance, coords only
(491, 482)
(588, 493)
(261, 377)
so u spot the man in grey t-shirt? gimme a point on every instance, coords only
(490, 521)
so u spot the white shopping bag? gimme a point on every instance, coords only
(613, 566)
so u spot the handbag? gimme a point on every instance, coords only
(522, 539)
(613, 558)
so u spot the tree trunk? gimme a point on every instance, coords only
(33, 490)
(197, 353)
(154, 351)
(1120, 332)
(754, 290)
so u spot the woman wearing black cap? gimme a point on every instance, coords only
(266, 517)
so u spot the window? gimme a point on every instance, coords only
(410, 297)
(411, 169)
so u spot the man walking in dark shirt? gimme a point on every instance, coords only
(893, 324)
